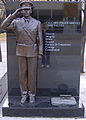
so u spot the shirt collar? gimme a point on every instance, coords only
(27, 19)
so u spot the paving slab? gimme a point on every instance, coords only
(80, 118)
(33, 118)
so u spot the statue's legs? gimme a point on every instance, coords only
(27, 75)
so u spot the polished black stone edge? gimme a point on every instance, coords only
(41, 110)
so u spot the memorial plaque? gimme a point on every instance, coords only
(63, 101)
(59, 59)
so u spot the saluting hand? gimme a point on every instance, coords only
(17, 12)
(40, 56)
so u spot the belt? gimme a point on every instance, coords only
(27, 44)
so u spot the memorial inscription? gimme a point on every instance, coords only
(52, 44)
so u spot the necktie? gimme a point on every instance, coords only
(26, 20)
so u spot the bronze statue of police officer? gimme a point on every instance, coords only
(29, 47)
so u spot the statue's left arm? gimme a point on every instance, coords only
(40, 39)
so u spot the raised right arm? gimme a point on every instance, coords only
(9, 22)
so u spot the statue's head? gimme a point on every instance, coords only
(27, 7)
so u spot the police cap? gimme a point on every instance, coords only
(26, 1)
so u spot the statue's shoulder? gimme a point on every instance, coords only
(18, 19)
(35, 20)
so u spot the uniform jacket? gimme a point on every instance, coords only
(29, 35)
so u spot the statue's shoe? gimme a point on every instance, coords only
(23, 99)
(31, 98)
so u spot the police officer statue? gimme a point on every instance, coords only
(29, 46)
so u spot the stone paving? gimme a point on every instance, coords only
(39, 118)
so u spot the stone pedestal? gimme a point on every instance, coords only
(42, 108)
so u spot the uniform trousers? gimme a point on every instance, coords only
(27, 74)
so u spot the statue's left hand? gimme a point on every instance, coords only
(39, 56)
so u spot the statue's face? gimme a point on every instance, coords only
(26, 12)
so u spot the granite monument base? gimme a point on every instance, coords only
(42, 108)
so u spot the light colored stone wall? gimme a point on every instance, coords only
(3, 86)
